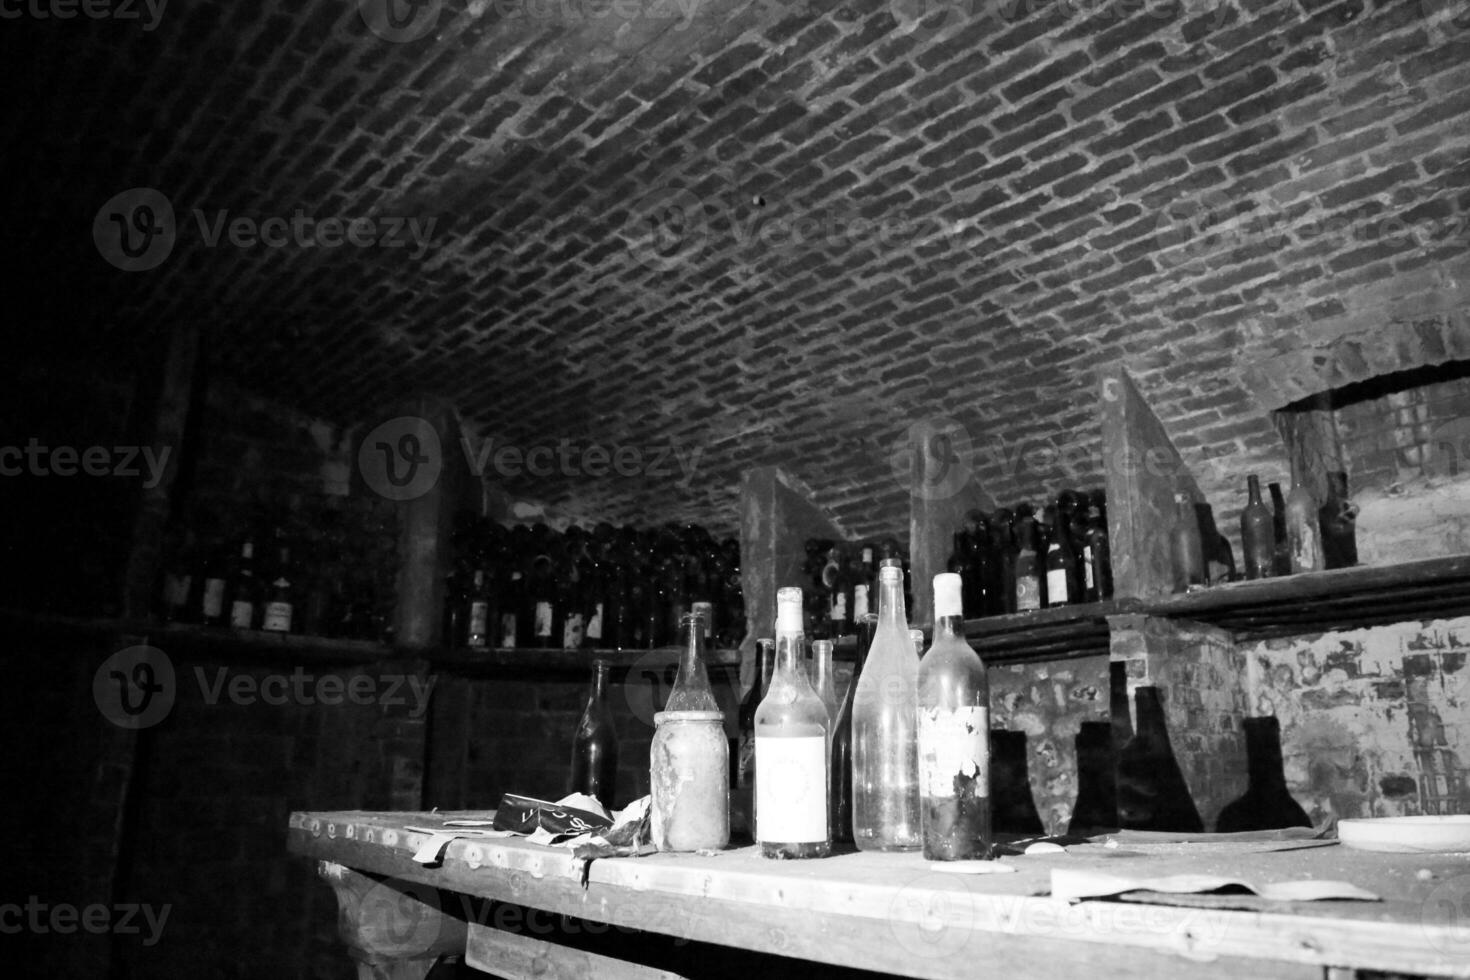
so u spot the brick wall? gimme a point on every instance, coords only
(1212, 193)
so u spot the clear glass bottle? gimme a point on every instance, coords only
(791, 740)
(1186, 546)
(954, 736)
(1257, 533)
(1303, 535)
(691, 690)
(822, 677)
(885, 746)
(595, 746)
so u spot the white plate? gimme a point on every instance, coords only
(1407, 835)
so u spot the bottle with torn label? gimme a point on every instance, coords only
(954, 736)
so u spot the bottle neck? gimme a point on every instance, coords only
(1263, 755)
(789, 652)
(949, 627)
(599, 684)
(890, 604)
(1253, 487)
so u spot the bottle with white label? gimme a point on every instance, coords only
(791, 729)
(1028, 570)
(243, 592)
(954, 736)
(885, 752)
(280, 607)
(477, 622)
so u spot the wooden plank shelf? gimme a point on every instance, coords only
(261, 647)
(1343, 598)
(1059, 633)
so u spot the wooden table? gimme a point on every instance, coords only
(886, 912)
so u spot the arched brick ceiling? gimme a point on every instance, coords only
(888, 220)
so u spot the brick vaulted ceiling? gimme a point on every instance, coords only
(771, 232)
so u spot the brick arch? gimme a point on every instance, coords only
(1433, 329)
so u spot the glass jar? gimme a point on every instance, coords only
(690, 780)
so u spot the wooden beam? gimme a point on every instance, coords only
(1144, 471)
(942, 489)
(513, 957)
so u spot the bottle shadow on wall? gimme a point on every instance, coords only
(1012, 807)
(1266, 804)
(1151, 791)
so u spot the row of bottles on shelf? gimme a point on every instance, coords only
(1019, 560)
(899, 763)
(904, 759)
(317, 566)
(607, 588)
(844, 581)
(1295, 535)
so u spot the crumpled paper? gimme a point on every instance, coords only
(1073, 885)
(577, 822)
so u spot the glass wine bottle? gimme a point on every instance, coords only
(1257, 533)
(1061, 565)
(885, 748)
(595, 747)
(1186, 547)
(691, 690)
(822, 676)
(954, 736)
(1028, 567)
(745, 751)
(1303, 535)
(791, 728)
(840, 794)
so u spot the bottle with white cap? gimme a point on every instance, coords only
(954, 736)
(791, 728)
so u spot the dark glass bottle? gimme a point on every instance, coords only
(1152, 794)
(278, 614)
(765, 659)
(244, 590)
(477, 613)
(1061, 565)
(1012, 805)
(595, 747)
(954, 736)
(840, 794)
(980, 573)
(1338, 519)
(835, 588)
(1266, 804)
(1003, 542)
(1096, 810)
(1028, 567)
(1282, 564)
(542, 603)
(212, 608)
(1186, 548)
(1257, 533)
(1097, 565)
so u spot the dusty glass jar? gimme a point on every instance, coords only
(690, 780)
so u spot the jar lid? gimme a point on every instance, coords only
(673, 716)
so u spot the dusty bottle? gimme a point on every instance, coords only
(1186, 548)
(885, 746)
(595, 746)
(954, 736)
(840, 792)
(689, 779)
(691, 690)
(477, 619)
(791, 727)
(1028, 567)
(1257, 533)
(1003, 542)
(1337, 518)
(1303, 536)
(822, 676)
(1097, 574)
(1061, 564)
